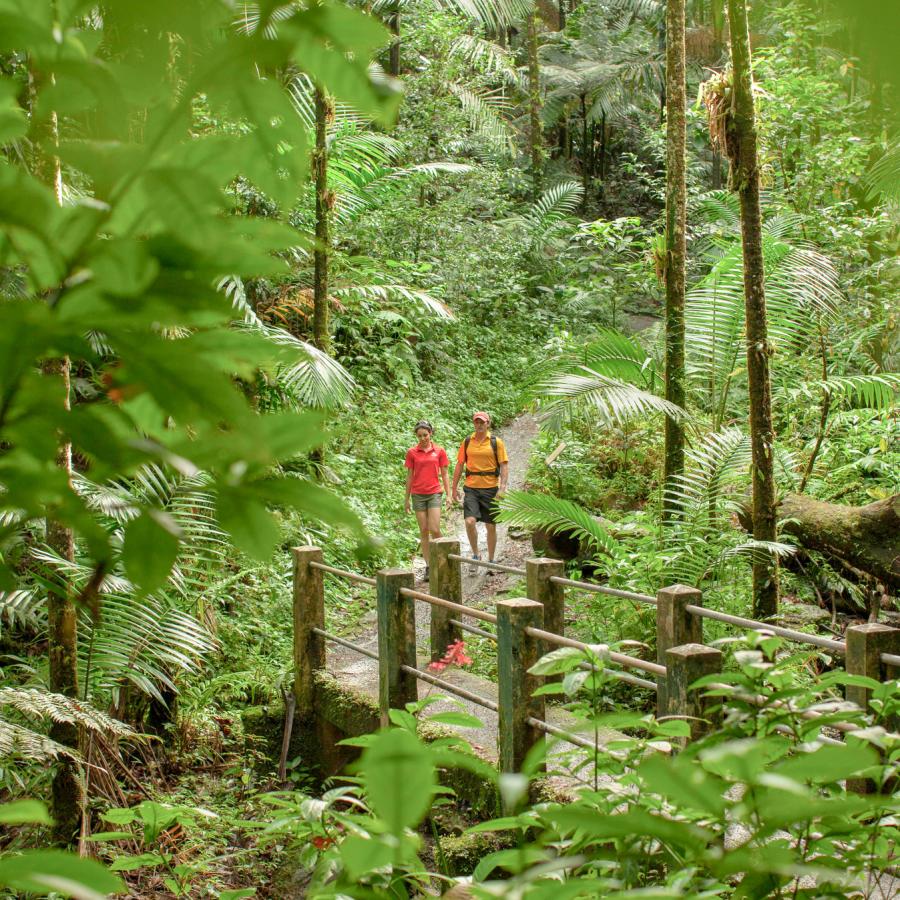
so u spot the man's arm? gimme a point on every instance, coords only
(456, 473)
(504, 476)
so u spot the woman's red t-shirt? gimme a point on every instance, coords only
(426, 468)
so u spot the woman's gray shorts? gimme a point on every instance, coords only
(426, 501)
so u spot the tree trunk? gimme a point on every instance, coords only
(534, 106)
(562, 14)
(62, 647)
(859, 539)
(676, 215)
(393, 24)
(741, 142)
(321, 328)
(585, 155)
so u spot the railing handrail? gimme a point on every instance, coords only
(791, 634)
(486, 564)
(602, 589)
(449, 604)
(631, 662)
(343, 573)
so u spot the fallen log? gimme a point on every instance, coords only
(857, 538)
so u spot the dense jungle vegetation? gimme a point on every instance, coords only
(244, 247)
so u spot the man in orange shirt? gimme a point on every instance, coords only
(487, 471)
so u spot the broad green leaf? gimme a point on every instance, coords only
(636, 823)
(131, 863)
(461, 719)
(150, 549)
(44, 871)
(565, 659)
(687, 786)
(13, 123)
(827, 763)
(513, 860)
(22, 812)
(399, 779)
(362, 855)
(246, 519)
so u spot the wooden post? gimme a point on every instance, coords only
(396, 641)
(517, 652)
(309, 613)
(444, 581)
(538, 573)
(684, 665)
(552, 597)
(674, 627)
(865, 644)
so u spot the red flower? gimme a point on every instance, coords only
(322, 843)
(455, 656)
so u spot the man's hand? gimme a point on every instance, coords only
(456, 498)
(406, 507)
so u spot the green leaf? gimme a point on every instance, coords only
(131, 863)
(237, 894)
(461, 719)
(43, 871)
(828, 763)
(399, 779)
(23, 812)
(250, 525)
(13, 122)
(565, 659)
(636, 823)
(686, 786)
(362, 855)
(150, 549)
(513, 860)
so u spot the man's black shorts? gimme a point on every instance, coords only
(479, 502)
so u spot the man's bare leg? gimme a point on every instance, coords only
(472, 532)
(491, 540)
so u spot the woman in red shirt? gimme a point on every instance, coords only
(426, 467)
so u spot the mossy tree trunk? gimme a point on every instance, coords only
(321, 328)
(535, 137)
(742, 152)
(62, 647)
(393, 23)
(676, 215)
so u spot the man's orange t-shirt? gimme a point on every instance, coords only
(481, 459)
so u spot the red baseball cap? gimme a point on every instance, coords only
(480, 415)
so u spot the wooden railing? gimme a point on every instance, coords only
(528, 628)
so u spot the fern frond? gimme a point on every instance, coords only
(524, 510)
(883, 179)
(59, 708)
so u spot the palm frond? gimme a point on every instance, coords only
(483, 55)
(801, 289)
(524, 510)
(389, 293)
(491, 13)
(487, 113)
(876, 391)
(22, 609)
(883, 179)
(611, 400)
(314, 379)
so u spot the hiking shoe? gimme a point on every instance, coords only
(425, 576)
(473, 570)
(492, 571)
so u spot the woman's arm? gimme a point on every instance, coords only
(409, 478)
(445, 478)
